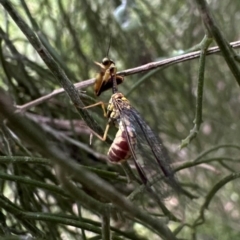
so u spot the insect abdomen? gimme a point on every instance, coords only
(119, 150)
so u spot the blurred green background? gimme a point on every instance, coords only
(77, 33)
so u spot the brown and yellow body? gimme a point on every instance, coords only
(104, 79)
(120, 149)
(136, 139)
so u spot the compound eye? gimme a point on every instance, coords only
(107, 61)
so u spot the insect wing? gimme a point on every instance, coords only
(107, 84)
(148, 152)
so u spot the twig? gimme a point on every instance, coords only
(189, 164)
(58, 72)
(106, 234)
(77, 193)
(215, 148)
(163, 63)
(62, 136)
(78, 126)
(198, 114)
(211, 194)
(173, 60)
(16, 211)
(54, 93)
(227, 52)
(34, 183)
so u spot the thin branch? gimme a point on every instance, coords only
(24, 217)
(173, 60)
(189, 164)
(34, 183)
(79, 207)
(215, 148)
(54, 93)
(71, 220)
(68, 126)
(62, 136)
(227, 52)
(24, 159)
(58, 72)
(45, 41)
(198, 114)
(212, 193)
(6, 204)
(150, 66)
(38, 160)
(78, 194)
(106, 234)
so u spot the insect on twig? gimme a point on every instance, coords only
(135, 139)
(104, 80)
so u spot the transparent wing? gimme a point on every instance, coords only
(150, 156)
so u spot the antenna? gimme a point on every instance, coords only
(109, 44)
(112, 69)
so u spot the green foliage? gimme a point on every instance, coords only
(77, 33)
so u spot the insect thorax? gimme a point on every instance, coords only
(113, 114)
(116, 103)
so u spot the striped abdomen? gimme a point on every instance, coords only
(120, 150)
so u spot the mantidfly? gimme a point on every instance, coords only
(136, 139)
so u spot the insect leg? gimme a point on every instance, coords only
(104, 137)
(96, 104)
